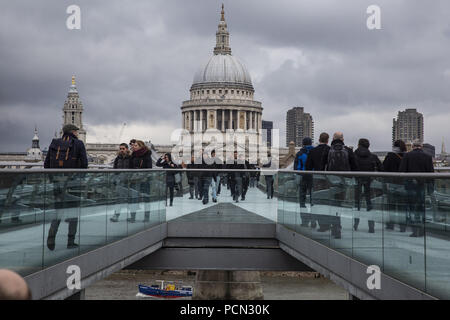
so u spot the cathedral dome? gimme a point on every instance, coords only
(223, 68)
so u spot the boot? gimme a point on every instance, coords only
(356, 224)
(146, 216)
(417, 232)
(371, 226)
(414, 234)
(323, 228)
(132, 218)
(73, 225)
(52, 234)
(115, 218)
(336, 229)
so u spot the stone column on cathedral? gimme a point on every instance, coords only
(201, 120)
(245, 121)
(216, 120)
(257, 122)
(230, 121)
(195, 121)
(223, 120)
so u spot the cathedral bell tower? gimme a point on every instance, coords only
(73, 111)
(222, 36)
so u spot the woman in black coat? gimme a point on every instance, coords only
(141, 158)
(395, 191)
(166, 162)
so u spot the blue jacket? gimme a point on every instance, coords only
(301, 157)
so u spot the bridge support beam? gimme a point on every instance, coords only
(228, 285)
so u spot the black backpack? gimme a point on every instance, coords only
(62, 153)
(338, 158)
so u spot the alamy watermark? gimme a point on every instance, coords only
(74, 280)
(374, 280)
(374, 20)
(249, 146)
(73, 22)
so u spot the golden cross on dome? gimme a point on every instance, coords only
(73, 80)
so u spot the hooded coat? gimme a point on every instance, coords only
(367, 161)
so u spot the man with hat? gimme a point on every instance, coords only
(66, 152)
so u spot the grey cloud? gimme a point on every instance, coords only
(135, 60)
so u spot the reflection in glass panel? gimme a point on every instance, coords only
(94, 196)
(118, 193)
(437, 238)
(62, 212)
(368, 221)
(21, 222)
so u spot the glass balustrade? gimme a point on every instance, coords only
(395, 221)
(399, 222)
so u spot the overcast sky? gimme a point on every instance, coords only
(134, 62)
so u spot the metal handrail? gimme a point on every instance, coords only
(224, 170)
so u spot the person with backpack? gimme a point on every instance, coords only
(305, 180)
(417, 161)
(394, 189)
(367, 162)
(141, 158)
(314, 162)
(66, 152)
(122, 161)
(339, 158)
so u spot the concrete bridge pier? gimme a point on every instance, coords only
(227, 285)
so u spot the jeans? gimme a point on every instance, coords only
(215, 187)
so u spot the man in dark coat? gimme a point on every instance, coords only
(417, 161)
(367, 162)
(315, 162)
(191, 178)
(207, 175)
(394, 188)
(65, 153)
(339, 158)
(235, 176)
(122, 161)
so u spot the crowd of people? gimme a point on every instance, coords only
(212, 174)
(339, 157)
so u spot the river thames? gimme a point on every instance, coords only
(123, 285)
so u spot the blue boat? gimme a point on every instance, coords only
(169, 291)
